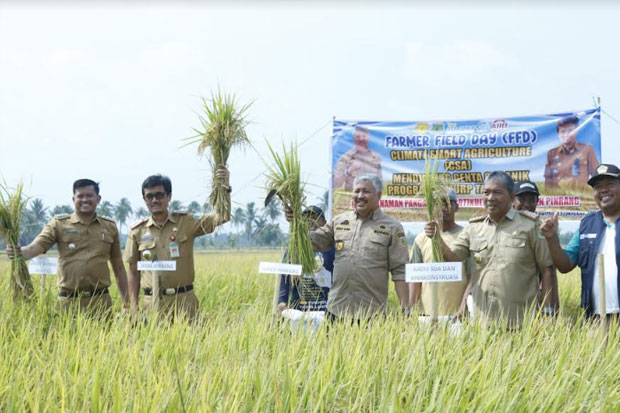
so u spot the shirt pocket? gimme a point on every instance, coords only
(185, 245)
(146, 251)
(479, 253)
(377, 246)
(69, 244)
(342, 241)
(104, 241)
(514, 247)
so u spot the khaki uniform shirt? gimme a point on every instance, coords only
(354, 163)
(570, 167)
(505, 261)
(180, 228)
(450, 294)
(83, 250)
(366, 250)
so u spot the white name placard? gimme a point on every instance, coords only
(157, 265)
(279, 268)
(436, 272)
(43, 265)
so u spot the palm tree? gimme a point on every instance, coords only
(238, 217)
(62, 209)
(122, 211)
(324, 201)
(106, 209)
(207, 208)
(194, 208)
(273, 210)
(39, 213)
(176, 206)
(250, 217)
(142, 213)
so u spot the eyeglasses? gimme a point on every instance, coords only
(157, 195)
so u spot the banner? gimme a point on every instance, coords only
(558, 152)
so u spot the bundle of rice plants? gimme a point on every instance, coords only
(284, 180)
(11, 207)
(223, 126)
(436, 195)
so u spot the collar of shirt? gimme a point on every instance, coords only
(374, 215)
(509, 215)
(152, 222)
(75, 218)
(569, 151)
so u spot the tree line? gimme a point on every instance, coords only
(253, 226)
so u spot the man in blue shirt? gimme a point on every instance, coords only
(598, 233)
(309, 293)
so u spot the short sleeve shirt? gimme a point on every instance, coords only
(180, 229)
(83, 250)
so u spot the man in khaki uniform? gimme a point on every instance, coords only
(86, 242)
(359, 160)
(452, 296)
(167, 236)
(507, 252)
(369, 245)
(571, 164)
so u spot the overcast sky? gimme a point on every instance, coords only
(108, 92)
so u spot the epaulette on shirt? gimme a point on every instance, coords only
(106, 218)
(531, 215)
(180, 212)
(477, 219)
(138, 223)
(62, 216)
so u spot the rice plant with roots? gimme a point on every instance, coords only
(12, 205)
(436, 195)
(223, 126)
(284, 179)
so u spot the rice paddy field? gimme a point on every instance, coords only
(232, 359)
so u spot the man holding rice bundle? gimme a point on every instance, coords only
(86, 242)
(507, 251)
(369, 245)
(169, 236)
(452, 295)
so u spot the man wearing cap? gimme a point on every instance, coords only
(571, 163)
(359, 160)
(168, 236)
(598, 233)
(310, 292)
(86, 242)
(369, 246)
(452, 296)
(526, 199)
(506, 251)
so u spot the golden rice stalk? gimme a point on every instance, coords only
(223, 127)
(436, 194)
(284, 179)
(11, 207)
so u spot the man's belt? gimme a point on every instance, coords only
(170, 291)
(83, 294)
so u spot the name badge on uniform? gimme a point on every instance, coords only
(174, 250)
(339, 245)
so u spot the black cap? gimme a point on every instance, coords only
(314, 210)
(524, 187)
(604, 169)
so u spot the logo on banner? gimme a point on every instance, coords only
(499, 125)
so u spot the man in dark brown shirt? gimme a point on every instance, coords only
(571, 164)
